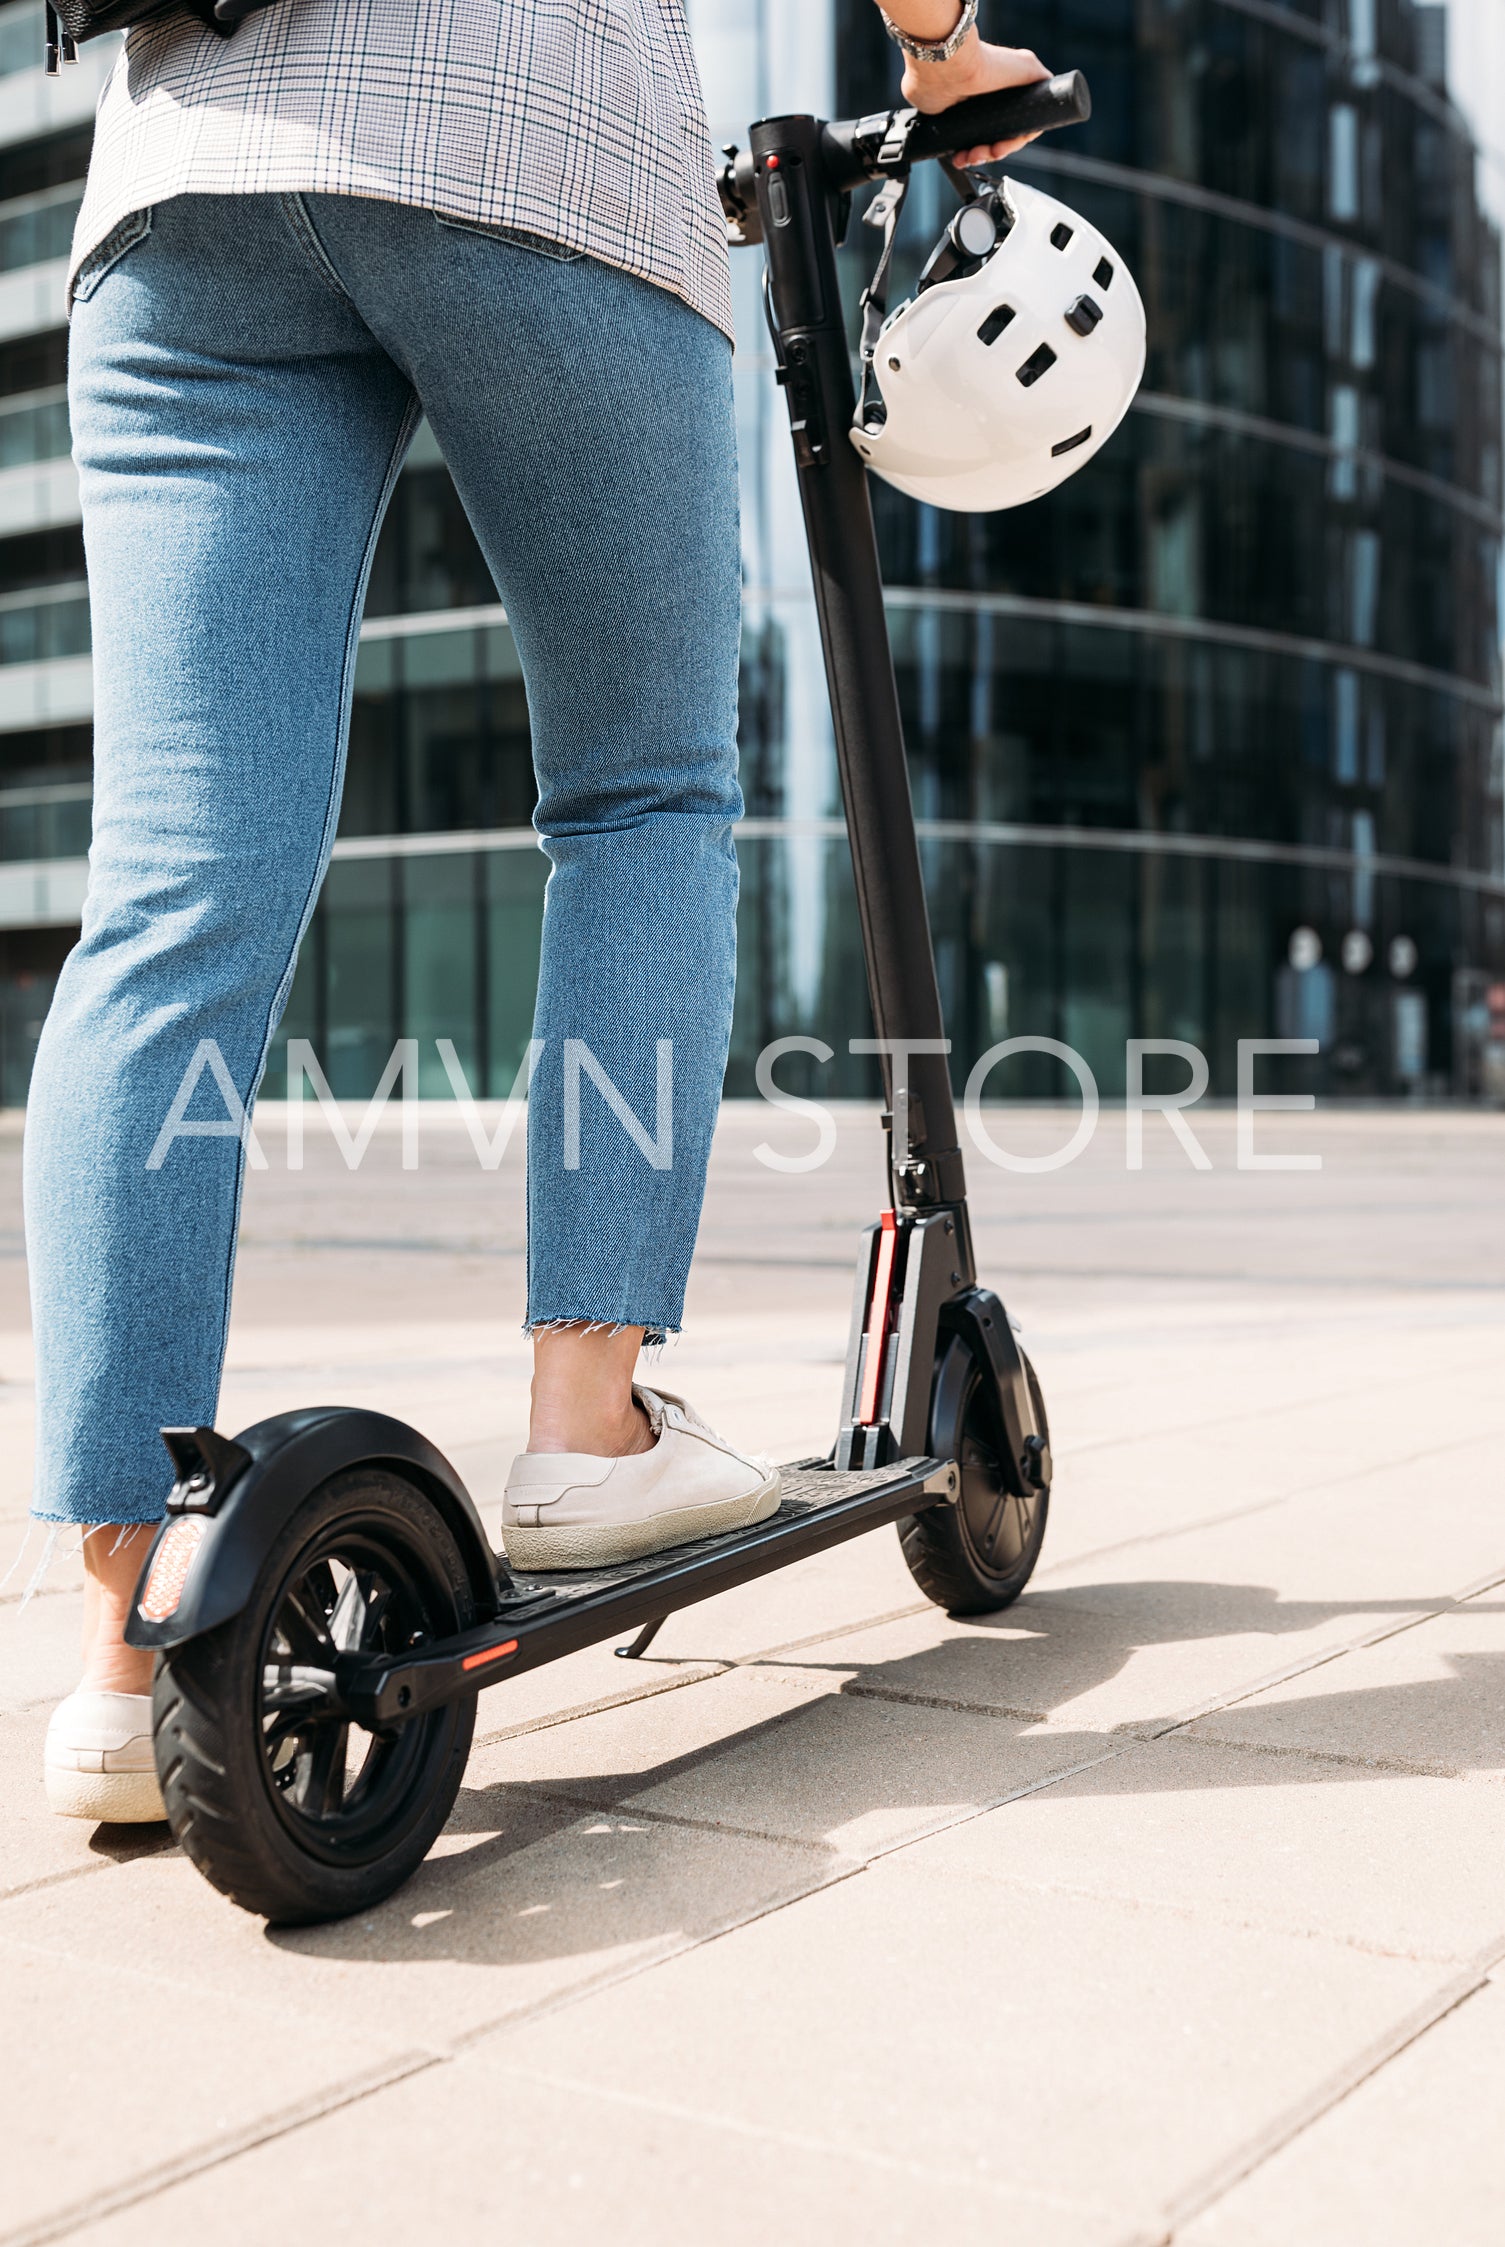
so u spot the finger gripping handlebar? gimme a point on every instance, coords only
(1002, 116)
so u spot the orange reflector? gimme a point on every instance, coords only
(488, 1654)
(877, 1321)
(170, 1566)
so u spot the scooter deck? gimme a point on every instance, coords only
(541, 1616)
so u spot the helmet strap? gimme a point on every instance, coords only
(884, 211)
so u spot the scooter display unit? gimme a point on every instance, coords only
(325, 1602)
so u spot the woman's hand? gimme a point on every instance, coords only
(975, 68)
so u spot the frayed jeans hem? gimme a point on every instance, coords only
(654, 1336)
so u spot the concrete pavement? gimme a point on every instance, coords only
(1167, 1905)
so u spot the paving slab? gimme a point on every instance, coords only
(1098, 1659)
(571, 2165)
(113, 2064)
(1387, 1861)
(783, 1751)
(1427, 1699)
(1406, 2159)
(1046, 2021)
(1074, 2037)
(521, 1902)
(1349, 1546)
(35, 1847)
(39, 1648)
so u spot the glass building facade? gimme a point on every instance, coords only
(1205, 745)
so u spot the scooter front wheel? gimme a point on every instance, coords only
(283, 1803)
(977, 1554)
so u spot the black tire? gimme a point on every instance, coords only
(977, 1555)
(291, 1813)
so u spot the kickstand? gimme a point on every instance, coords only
(642, 1642)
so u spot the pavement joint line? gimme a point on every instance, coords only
(1184, 2208)
(1180, 1428)
(1348, 1762)
(1001, 1709)
(1246, 1512)
(842, 1630)
(1392, 1627)
(1219, 2180)
(630, 1808)
(1218, 1915)
(693, 1673)
(163, 1848)
(836, 1870)
(802, 2141)
(147, 2183)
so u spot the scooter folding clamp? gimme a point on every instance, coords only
(206, 1464)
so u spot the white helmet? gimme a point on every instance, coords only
(1014, 362)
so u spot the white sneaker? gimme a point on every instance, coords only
(98, 1761)
(569, 1509)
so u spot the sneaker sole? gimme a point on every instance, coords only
(601, 1544)
(112, 1798)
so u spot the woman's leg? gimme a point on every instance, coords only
(587, 419)
(237, 430)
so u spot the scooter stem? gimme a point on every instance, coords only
(797, 205)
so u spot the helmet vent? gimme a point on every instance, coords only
(995, 323)
(1060, 235)
(1037, 364)
(1069, 444)
(1102, 273)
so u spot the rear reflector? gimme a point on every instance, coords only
(489, 1654)
(170, 1565)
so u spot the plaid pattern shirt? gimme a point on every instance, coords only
(578, 120)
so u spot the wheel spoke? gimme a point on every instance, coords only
(345, 1624)
(319, 1789)
(287, 1724)
(376, 1614)
(305, 1629)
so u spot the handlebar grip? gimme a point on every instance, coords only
(984, 118)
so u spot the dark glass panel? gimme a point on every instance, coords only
(37, 164)
(427, 556)
(33, 362)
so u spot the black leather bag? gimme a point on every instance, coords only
(71, 22)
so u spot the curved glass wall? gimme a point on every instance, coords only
(1250, 656)
(1238, 678)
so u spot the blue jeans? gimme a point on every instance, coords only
(246, 375)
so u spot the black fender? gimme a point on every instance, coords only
(240, 1494)
(975, 1324)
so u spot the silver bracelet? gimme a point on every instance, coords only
(932, 50)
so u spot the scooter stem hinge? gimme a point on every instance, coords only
(931, 1181)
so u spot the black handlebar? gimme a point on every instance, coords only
(1004, 116)
(876, 147)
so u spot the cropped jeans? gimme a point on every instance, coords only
(246, 375)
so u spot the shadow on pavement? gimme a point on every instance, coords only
(873, 1751)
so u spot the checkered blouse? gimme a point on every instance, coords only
(579, 120)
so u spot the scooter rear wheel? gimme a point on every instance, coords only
(975, 1555)
(288, 1808)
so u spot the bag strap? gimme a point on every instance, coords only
(61, 46)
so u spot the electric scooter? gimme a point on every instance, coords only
(322, 1595)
